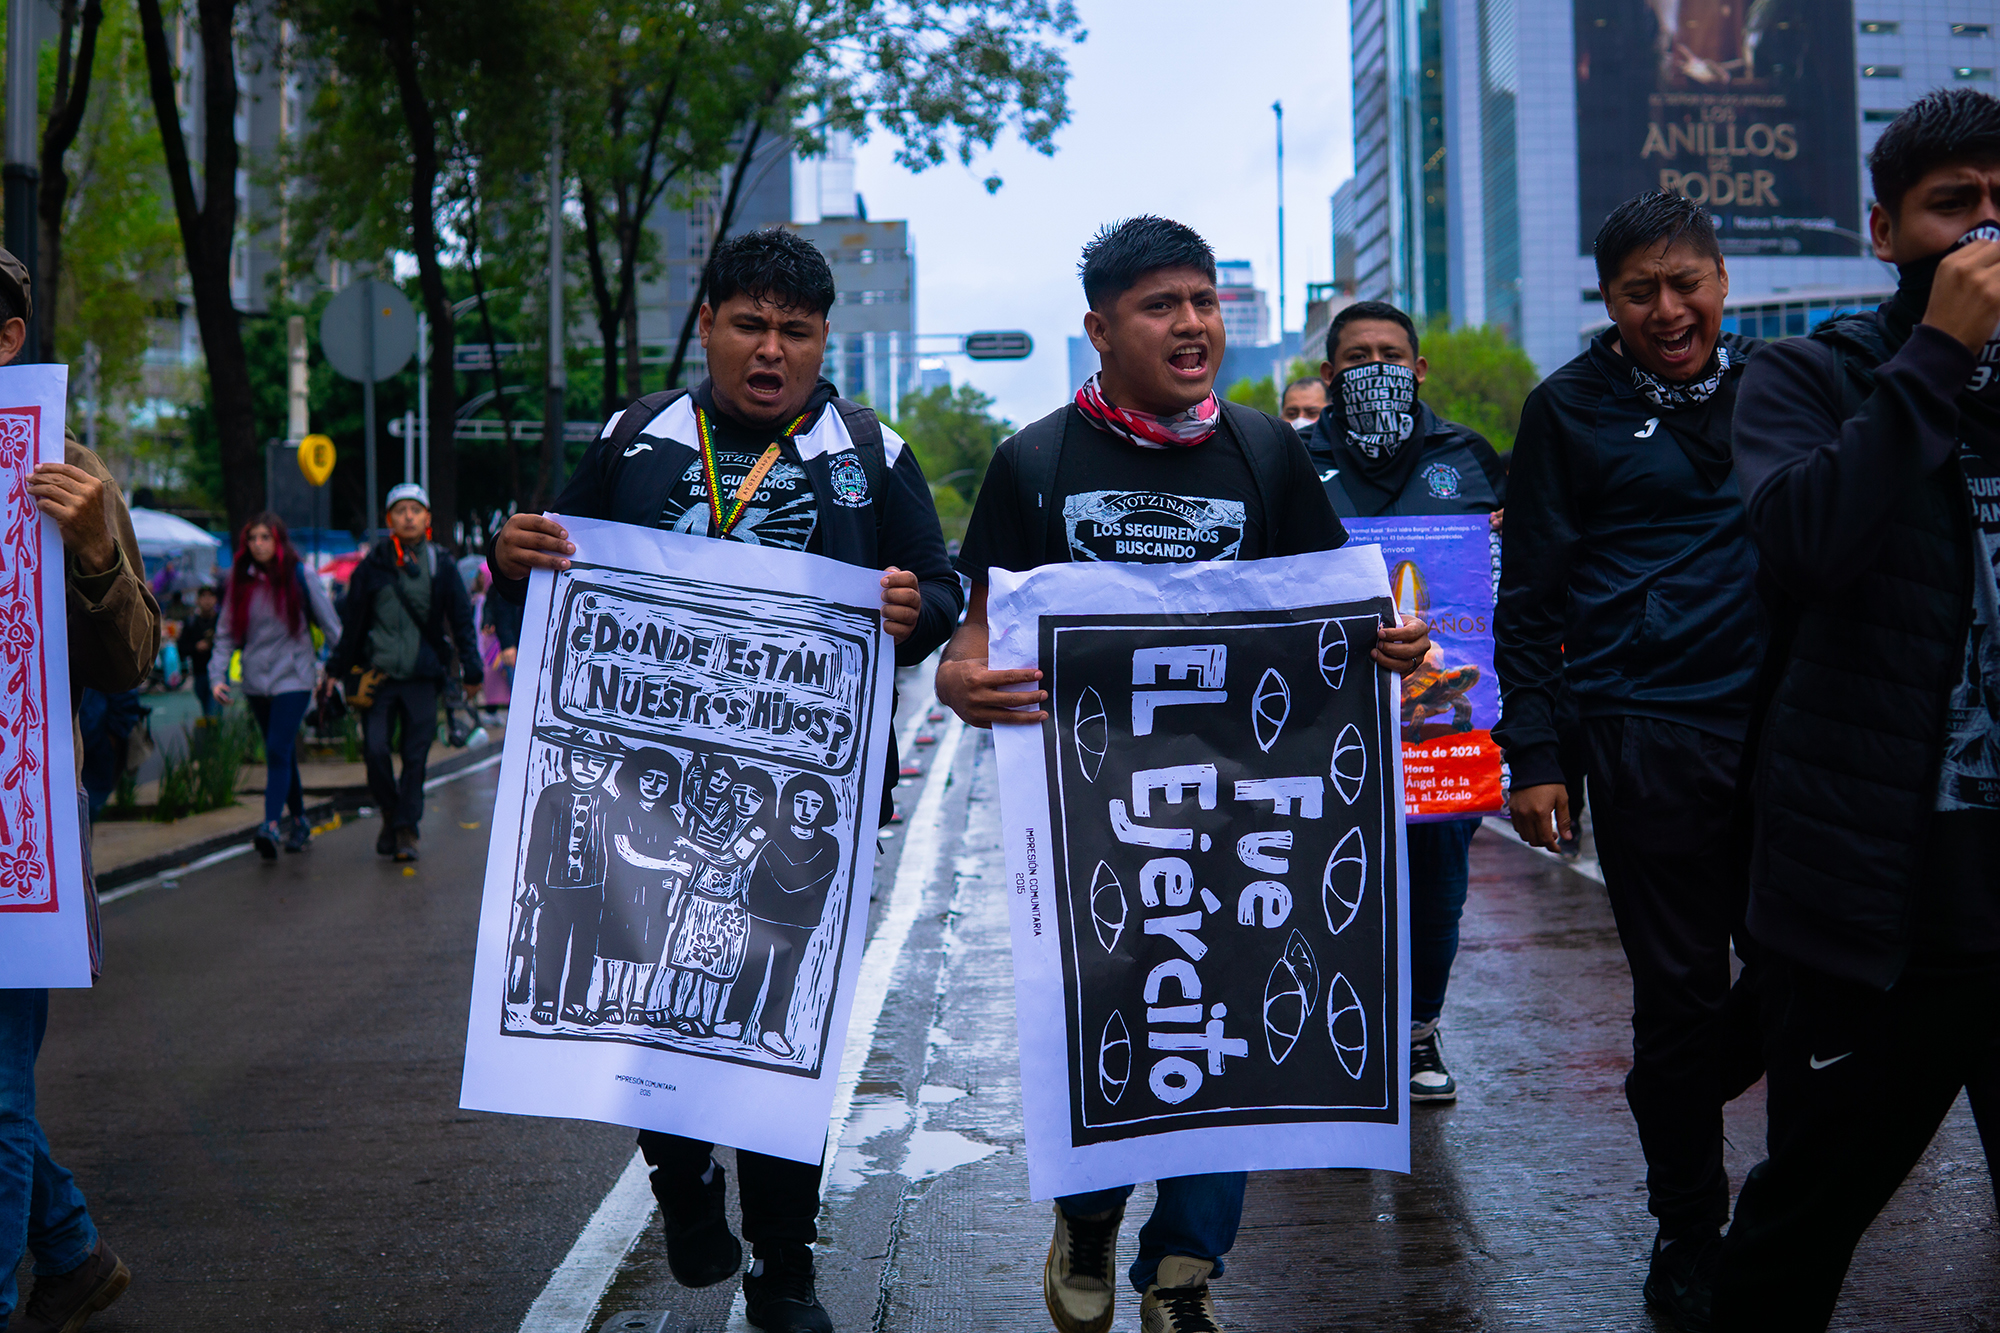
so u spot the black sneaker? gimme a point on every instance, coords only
(300, 835)
(1430, 1081)
(778, 1292)
(385, 841)
(266, 838)
(701, 1249)
(1680, 1284)
(64, 1302)
(406, 844)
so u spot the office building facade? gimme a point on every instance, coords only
(1485, 131)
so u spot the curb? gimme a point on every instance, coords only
(336, 807)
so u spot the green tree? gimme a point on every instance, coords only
(1479, 378)
(1260, 394)
(954, 434)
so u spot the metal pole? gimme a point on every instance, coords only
(368, 406)
(424, 402)
(409, 446)
(23, 173)
(553, 407)
(1278, 108)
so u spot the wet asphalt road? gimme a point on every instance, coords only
(260, 1100)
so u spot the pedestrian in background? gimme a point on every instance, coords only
(1627, 575)
(1870, 456)
(198, 646)
(499, 640)
(404, 599)
(113, 627)
(269, 608)
(1408, 460)
(1303, 402)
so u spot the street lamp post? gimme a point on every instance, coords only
(22, 173)
(1278, 109)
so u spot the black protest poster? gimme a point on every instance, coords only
(1222, 800)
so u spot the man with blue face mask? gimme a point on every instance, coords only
(1381, 452)
(1870, 462)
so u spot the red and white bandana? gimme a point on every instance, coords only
(1183, 430)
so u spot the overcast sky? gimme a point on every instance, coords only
(1170, 104)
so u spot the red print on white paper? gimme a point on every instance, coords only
(27, 837)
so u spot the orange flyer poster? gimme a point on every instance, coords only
(1441, 568)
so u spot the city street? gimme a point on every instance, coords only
(260, 1100)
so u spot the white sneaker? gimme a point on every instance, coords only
(1430, 1081)
(1080, 1279)
(1177, 1301)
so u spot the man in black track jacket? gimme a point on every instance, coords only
(1627, 573)
(1870, 458)
(842, 485)
(1392, 458)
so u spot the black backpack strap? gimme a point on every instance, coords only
(1036, 456)
(636, 416)
(864, 428)
(1266, 442)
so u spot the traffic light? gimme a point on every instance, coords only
(998, 345)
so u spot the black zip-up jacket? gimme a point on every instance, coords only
(1623, 573)
(451, 611)
(633, 465)
(1455, 472)
(642, 452)
(1847, 445)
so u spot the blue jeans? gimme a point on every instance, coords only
(1439, 865)
(1194, 1215)
(279, 716)
(41, 1208)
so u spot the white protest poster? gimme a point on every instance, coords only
(677, 884)
(1205, 861)
(44, 912)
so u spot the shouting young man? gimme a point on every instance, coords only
(1148, 425)
(1870, 456)
(823, 476)
(1627, 574)
(1392, 458)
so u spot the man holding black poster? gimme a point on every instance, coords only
(1146, 466)
(1870, 456)
(762, 451)
(1383, 453)
(1627, 575)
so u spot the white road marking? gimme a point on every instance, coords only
(578, 1284)
(923, 846)
(1583, 865)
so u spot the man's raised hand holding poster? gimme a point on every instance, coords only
(1204, 848)
(44, 912)
(677, 885)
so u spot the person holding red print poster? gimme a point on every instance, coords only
(1383, 454)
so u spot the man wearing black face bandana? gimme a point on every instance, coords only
(1381, 452)
(1870, 459)
(1627, 574)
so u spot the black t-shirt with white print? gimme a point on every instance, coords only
(784, 511)
(1120, 502)
(1958, 909)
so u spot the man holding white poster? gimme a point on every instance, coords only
(72, 593)
(764, 708)
(1148, 467)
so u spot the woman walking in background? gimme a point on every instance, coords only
(269, 607)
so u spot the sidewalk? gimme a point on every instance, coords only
(123, 850)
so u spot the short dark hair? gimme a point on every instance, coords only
(1361, 310)
(773, 264)
(1943, 126)
(1306, 382)
(1650, 219)
(1123, 252)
